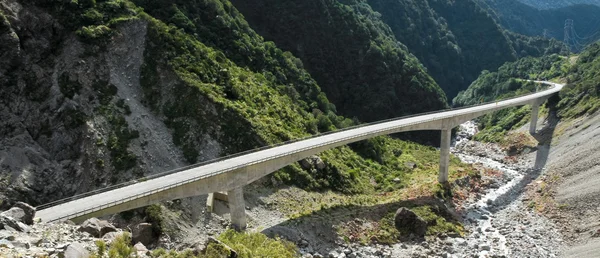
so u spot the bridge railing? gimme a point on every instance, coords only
(161, 174)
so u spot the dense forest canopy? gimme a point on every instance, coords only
(554, 4)
(351, 53)
(580, 97)
(524, 19)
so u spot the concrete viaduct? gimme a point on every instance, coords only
(232, 174)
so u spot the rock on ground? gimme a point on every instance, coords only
(96, 227)
(407, 220)
(76, 250)
(142, 233)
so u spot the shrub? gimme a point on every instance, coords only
(154, 216)
(121, 247)
(92, 33)
(249, 245)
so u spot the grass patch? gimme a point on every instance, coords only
(496, 126)
(246, 245)
(249, 245)
(384, 188)
(384, 231)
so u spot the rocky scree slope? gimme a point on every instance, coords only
(571, 185)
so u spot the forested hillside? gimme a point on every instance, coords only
(554, 4)
(527, 20)
(581, 95)
(510, 78)
(351, 53)
(456, 40)
(114, 92)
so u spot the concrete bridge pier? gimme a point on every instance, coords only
(535, 110)
(445, 155)
(237, 208)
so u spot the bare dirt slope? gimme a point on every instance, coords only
(575, 158)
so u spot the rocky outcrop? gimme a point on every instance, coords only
(97, 228)
(406, 220)
(12, 224)
(312, 162)
(142, 233)
(29, 212)
(17, 217)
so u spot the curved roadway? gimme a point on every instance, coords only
(91, 205)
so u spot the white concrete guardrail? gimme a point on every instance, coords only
(233, 172)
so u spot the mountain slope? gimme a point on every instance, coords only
(582, 94)
(99, 92)
(352, 54)
(580, 97)
(554, 4)
(454, 39)
(507, 80)
(428, 37)
(527, 20)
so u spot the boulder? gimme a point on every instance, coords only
(108, 238)
(10, 223)
(6, 235)
(142, 233)
(6, 244)
(319, 164)
(410, 165)
(29, 212)
(407, 221)
(140, 249)
(76, 250)
(106, 227)
(313, 162)
(305, 164)
(97, 228)
(16, 213)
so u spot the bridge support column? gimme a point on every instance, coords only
(445, 155)
(237, 208)
(535, 110)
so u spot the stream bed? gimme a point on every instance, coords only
(498, 222)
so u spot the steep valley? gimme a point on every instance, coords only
(95, 93)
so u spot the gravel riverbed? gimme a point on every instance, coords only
(498, 223)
